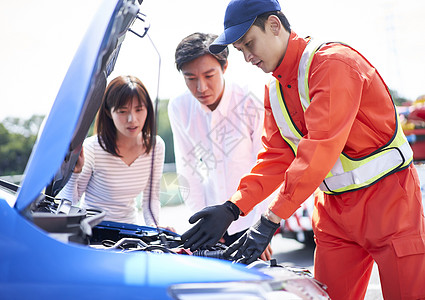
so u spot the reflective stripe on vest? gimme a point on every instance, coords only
(287, 128)
(347, 174)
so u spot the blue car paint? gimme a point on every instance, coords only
(59, 126)
(34, 265)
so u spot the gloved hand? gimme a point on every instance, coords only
(253, 242)
(213, 223)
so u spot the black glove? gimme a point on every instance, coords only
(253, 242)
(213, 223)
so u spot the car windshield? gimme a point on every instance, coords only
(7, 192)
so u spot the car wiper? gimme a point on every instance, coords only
(9, 186)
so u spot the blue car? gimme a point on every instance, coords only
(50, 249)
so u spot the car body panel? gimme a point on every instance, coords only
(37, 264)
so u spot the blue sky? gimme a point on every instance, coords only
(39, 39)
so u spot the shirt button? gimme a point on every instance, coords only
(289, 86)
(279, 76)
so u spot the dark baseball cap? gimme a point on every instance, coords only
(239, 17)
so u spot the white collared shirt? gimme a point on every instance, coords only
(214, 149)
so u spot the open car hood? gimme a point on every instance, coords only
(60, 139)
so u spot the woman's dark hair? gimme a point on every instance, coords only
(119, 92)
(261, 20)
(196, 45)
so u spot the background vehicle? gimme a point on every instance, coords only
(299, 225)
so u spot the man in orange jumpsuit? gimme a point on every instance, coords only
(342, 135)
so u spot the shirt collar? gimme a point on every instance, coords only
(287, 71)
(222, 107)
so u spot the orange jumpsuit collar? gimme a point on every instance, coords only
(288, 69)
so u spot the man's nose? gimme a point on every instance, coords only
(202, 85)
(248, 56)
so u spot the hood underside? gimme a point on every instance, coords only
(65, 128)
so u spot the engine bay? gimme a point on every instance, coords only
(69, 223)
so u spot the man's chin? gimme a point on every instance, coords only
(263, 67)
(265, 70)
(205, 101)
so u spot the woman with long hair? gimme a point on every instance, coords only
(115, 164)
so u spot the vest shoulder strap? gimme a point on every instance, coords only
(304, 68)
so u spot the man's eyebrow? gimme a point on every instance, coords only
(241, 40)
(187, 74)
(191, 74)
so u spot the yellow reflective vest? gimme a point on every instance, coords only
(348, 174)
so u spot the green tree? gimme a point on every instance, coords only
(26, 128)
(164, 130)
(15, 149)
(398, 100)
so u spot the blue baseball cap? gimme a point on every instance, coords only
(239, 17)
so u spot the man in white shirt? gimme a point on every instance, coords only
(217, 129)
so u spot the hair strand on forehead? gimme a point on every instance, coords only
(119, 92)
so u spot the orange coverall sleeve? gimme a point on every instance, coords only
(335, 90)
(267, 175)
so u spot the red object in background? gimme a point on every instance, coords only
(417, 115)
(418, 144)
(416, 136)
